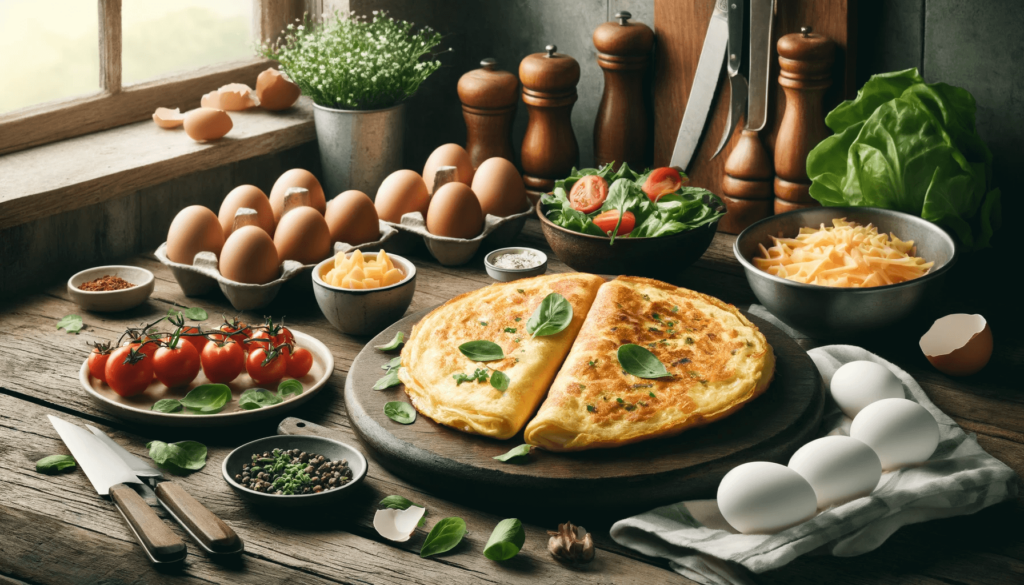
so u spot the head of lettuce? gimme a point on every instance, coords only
(911, 146)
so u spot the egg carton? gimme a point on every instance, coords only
(498, 232)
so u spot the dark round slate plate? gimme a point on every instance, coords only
(633, 477)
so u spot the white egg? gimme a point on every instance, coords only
(858, 384)
(901, 431)
(839, 469)
(765, 498)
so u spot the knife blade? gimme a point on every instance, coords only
(702, 93)
(737, 83)
(762, 15)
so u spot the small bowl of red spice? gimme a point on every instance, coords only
(107, 289)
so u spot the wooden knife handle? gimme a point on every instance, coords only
(297, 426)
(210, 530)
(162, 544)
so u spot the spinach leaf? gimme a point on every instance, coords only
(396, 502)
(393, 364)
(54, 463)
(180, 457)
(499, 381)
(167, 405)
(71, 324)
(506, 540)
(552, 316)
(400, 412)
(394, 343)
(207, 398)
(640, 362)
(482, 351)
(520, 451)
(390, 379)
(443, 536)
(191, 313)
(289, 387)
(254, 398)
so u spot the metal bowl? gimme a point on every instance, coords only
(510, 274)
(846, 313)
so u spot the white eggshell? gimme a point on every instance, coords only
(397, 525)
(765, 498)
(858, 384)
(901, 431)
(839, 469)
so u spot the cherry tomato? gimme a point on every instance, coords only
(661, 182)
(284, 335)
(147, 348)
(607, 220)
(588, 194)
(222, 360)
(300, 362)
(264, 335)
(129, 371)
(239, 332)
(176, 366)
(98, 361)
(197, 341)
(269, 373)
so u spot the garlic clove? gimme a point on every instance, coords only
(571, 543)
(397, 525)
(958, 344)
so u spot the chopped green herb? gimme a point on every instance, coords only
(583, 386)
(651, 394)
(654, 330)
(629, 407)
(483, 323)
(517, 340)
(510, 330)
(518, 319)
(499, 381)
(645, 297)
(620, 401)
(689, 341)
(656, 316)
(591, 408)
(592, 363)
(478, 375)
(694, 374)
(642, 403)
(675, 309)
(521, 291)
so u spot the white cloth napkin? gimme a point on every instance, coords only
(960, 478)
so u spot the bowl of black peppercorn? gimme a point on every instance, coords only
(294, 470)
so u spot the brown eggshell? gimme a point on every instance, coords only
(203, 124)
(249, 256)
(448, 155)
(275, 91)
(303, 236)
(455, 212)
(249, 196)
(168, 118)
(352, 218)
(233, 97)
(297, 178)
(195, 229)
(500, 188)
(401, 192)
(959, 344)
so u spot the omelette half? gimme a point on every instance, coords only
(718, 359)
(431, 360)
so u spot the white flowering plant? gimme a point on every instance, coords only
(356, 63)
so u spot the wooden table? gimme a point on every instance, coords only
(55, 529)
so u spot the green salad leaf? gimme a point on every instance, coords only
(180, 458)
(552, 316)
(54, 463)
(520, 451)
(288, 387)
(254, 398)
(399, 339)
(443, 537)
(70, 323)
(506, 540)
(207, 398)
(166, 405)
(499, 381)
(396, 502)
(482, 351)
(400, 412)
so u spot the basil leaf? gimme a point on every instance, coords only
(196, 314)
(174, 314)
(254, 398)
(552, 316)
(520, 451)
(443, 536)
(641, 362)
(390, 379)
(396, 502)
(288, 387)
(70, 323)
(482, 351)
(167, 405)
(180, 457)
(393, 364)
(499, 381)
(207, 398)
(394, 343)
(400, 412)
(506, 540)
(54, 463)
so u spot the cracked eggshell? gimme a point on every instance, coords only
(168, 118)
(397, 525)
(275, 91)
(233, 97)
(202, 124)
(958, 344)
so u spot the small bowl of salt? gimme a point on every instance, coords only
(508, 264)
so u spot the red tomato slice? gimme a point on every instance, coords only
(588, 194)
(661, 182)
(607, 220)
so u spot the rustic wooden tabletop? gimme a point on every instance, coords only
(55, 529)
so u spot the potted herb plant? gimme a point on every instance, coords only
(359, 72)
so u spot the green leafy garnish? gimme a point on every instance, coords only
(289, 387)
(518, 319)
(54, 463)
(400, 412)
(443, 536)
(590, 408)
(396, 502)
(254, 398)
(506, 540)
(520, 451)
(71, 324)
(499, 380)
(191, 313)
(592, 363)
(483, 323)
(394, 343)
(651, 394)
(478, 375)
(207, 398)
(180, 458)
(510, 330)
(393, 363)
(552, 316)
(482, 351)
(641, 362)
(167, 405)
(390, 379)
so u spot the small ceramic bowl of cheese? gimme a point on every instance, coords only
(361, 294)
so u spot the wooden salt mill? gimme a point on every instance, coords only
(621, 129)
(489, 98)
(550, 150)
(747, 186)
(805, 59)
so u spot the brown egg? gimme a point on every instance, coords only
(195, 229)
(448, 155)
(168, 118)
(302, 235)
(401, 192)
(203, 124)
(249, 256)
(958, 344)
(232, 97)
(275, 91)
(455, 212)
(500, 188)
(246, 196)
(352, 218)
(297, 178)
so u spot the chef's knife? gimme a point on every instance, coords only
(110, 476)
(762, 13)
(702, 93)
(205, 528)
(737, 83)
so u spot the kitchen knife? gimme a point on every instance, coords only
(205, 528)
(702, 93)
(762, 13)
(110, 476)
(737, 83)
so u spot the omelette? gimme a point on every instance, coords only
(717, 358)
(454, 390)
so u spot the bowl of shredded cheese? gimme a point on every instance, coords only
(843, 272)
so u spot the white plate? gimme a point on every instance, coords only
(137, 408)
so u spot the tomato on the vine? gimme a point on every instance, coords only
(194, 336)
(300, 362)
(238, 331)
(222, 360)
(262, 339)
(266, 366)
(177, 365)
(129, 371)
(284, 335)
(98, 361)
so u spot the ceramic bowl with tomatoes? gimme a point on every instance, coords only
(365, 311)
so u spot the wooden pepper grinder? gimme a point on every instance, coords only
(620, 131)
(489, 98)
(550, 150)
(747, 186)
(805, 60)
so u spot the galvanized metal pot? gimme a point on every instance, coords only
(358, 148)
